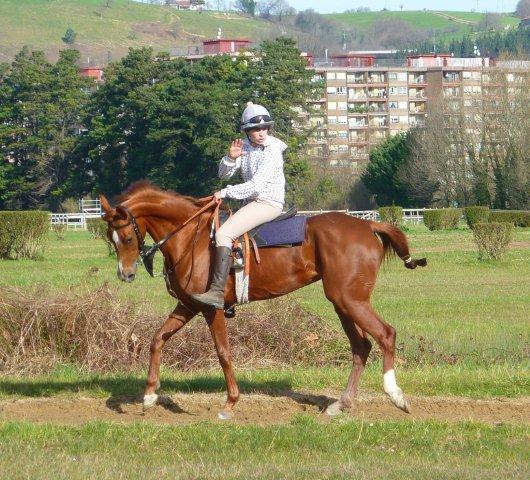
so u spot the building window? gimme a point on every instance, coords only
(394, 119)
(332, 105)
(342, 134)
(343, 119)
(341, 75)
(342, 105)
(332, 119)
(330, 75)
(392, 105)
(341, 90)
(332, 90)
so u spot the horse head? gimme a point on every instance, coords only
(126, 235)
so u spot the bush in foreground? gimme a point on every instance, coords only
(97, 332)
(442, 219)
(492, 239)
(23, 234)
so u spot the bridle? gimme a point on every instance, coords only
(147, 253)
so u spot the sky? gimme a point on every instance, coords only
(455, 5)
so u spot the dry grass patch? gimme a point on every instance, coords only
(97, 331)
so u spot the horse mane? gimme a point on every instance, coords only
(145, 186)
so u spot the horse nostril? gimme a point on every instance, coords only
(131, 277)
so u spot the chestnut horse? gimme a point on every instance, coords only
(342, 251)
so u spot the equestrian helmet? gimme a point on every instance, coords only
(254, 116)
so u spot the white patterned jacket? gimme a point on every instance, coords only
(262, 171)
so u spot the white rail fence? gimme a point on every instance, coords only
(77, 221)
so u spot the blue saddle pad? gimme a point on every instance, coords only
(281, 232)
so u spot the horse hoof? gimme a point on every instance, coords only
(334, 409)
(399, 400)
(225, 415)
(150, 401)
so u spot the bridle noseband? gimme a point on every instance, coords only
(146, 253)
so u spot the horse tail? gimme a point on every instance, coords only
(393, 237)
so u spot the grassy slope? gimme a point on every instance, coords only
(42, 23)
(428, 20)
(303, 449)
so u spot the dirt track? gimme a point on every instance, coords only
(256, 409)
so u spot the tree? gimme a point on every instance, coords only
(380, 176)
(523, 8)
(69, 36)
(246, 6)
(40, 106)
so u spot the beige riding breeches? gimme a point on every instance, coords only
(246, 218)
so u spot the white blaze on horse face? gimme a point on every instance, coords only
(116, 237)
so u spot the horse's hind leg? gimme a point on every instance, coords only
(363, 315)
(176, 320)
(360, 347)
(217, 324)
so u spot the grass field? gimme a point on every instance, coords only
(446, 24)
(463, 332)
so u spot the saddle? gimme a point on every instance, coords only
(286, 230)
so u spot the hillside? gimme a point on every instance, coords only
(445, 24)
(100, 30)
(106, 29)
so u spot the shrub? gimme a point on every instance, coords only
(59, 229)
(23, 234)
(518, 218)
(98, 229)
(492, 239)
(393, 215)
(40, 327)
(442, 219)
(476, 214)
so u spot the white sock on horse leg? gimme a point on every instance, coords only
(389, 381)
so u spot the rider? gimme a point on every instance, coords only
(260, 158)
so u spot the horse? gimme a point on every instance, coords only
(343, 251)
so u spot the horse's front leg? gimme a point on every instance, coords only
(217, 324)
(176, 320)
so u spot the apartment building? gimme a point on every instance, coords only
(363, 103)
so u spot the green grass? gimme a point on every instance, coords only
(429, 20)
(458, 310)
(305, 448)
(41, 24)
(474, 310)
(477, 382)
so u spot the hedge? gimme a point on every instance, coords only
(442, 219)
(476, 214)
(23, 233)
(393, 215)
(518, 218)
(492, 238)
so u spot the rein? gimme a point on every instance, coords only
(147, 253)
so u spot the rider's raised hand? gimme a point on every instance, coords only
(236, 149)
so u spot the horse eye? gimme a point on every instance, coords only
(128, 240)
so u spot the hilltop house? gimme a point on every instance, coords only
(186, 4)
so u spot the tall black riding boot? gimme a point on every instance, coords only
(215, 295)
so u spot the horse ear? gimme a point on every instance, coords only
(121, 213)
(105, 204)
